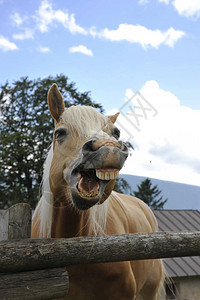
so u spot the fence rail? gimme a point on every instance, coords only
(34, 285)
(32, 254)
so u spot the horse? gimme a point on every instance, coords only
(77, 200)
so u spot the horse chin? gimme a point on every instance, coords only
(84, 201)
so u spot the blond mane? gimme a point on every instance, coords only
(44, 209)
(86, 121)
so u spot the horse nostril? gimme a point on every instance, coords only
(88, 147)
(124, 147)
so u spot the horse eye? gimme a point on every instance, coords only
(60, 134)
(116, 133)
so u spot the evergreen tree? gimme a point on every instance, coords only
(150, 195)
(26, 129)
(122, 186)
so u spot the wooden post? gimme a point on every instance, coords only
(15, 224)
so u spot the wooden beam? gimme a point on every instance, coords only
(31, 254)
(34, 285)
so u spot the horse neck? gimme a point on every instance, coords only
(68, 222)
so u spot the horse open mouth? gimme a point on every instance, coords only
(90, 181)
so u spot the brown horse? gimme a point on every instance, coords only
(79, 175)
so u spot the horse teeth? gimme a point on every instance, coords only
(89, 195)
(100, 174)
(107, 175)
(112, 175)
(116, 174)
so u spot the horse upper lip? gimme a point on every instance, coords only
(108, 143)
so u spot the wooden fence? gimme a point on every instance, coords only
(15, 227)
(35, 268)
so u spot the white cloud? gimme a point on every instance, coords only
(140, 34)
(81, 49)
(26, 35)
(187, 8)
(164, 1)
(47, 16)
(167, 145)
(17, 19)
(6, 45)
(44, 18)
(44, 49)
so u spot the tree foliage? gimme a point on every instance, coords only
(150, 195)
(25, 134)
(122, 186)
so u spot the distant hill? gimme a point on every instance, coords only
(180, 196)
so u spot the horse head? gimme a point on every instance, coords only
(87, 153)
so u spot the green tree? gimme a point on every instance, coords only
(25, 134)
(122, 186)
(150, 195)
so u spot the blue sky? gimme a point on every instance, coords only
(113, 49)
(115, 65)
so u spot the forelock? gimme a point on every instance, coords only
(85, 120)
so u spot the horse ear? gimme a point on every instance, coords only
(55, 102)
(113, 118)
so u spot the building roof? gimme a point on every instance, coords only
(180, 220)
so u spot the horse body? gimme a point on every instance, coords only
(77, 200)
